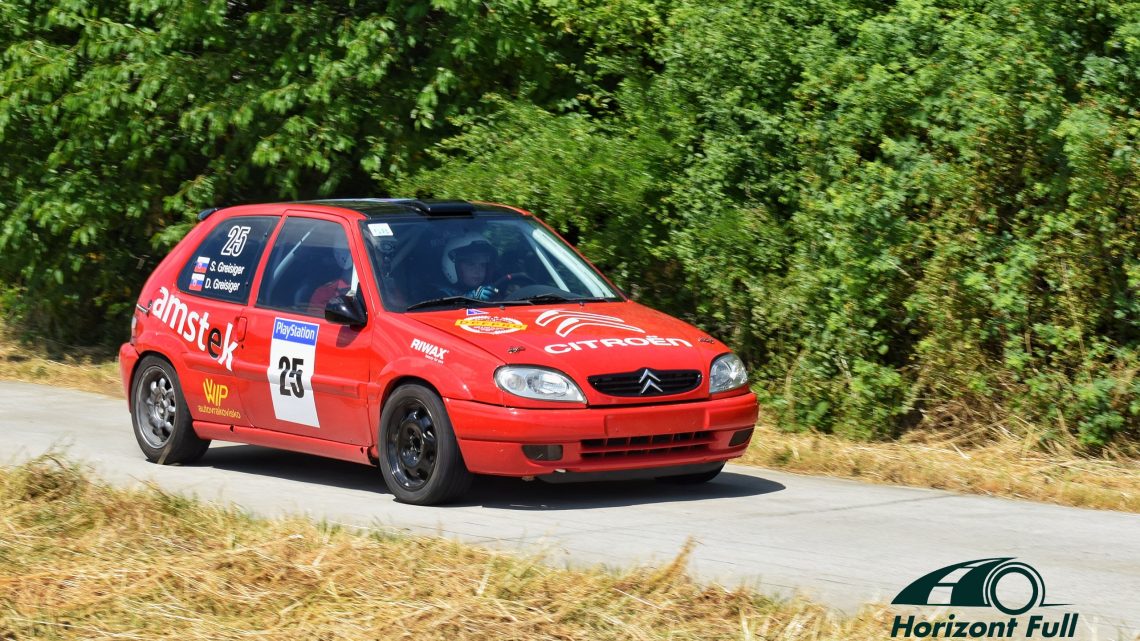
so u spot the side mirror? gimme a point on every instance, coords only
(346, 310)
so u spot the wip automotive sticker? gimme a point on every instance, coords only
(569, 321)
(292, 358)
(195, 328)
(216, 395)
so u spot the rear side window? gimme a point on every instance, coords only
(222, 267)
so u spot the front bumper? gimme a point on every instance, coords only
(602, 439)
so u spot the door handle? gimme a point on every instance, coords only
(239, 329)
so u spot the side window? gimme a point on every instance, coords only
(309, 264)
(223, 265)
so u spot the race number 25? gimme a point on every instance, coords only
(235, 242)
(292, 383)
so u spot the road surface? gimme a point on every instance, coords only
(843, 543)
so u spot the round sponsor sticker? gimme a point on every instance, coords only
(490, 324)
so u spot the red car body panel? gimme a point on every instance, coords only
(225, 355)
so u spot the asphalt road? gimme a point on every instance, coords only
(840, 542)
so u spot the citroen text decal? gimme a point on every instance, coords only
(599, 343)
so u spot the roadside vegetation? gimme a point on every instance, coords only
(80, 560)
(1002, 465)
(904, 216)
(979, 463)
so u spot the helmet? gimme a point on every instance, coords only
(462, 247)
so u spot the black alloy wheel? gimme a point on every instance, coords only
(420, 458)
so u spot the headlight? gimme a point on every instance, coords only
(727, 372)
(538, 383)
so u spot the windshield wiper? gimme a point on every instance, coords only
(559, 298)
(451, 300)
(467, 300)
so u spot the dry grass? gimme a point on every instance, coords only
(86, 372)
(79, 560)
(1000, 464)
(983, 461)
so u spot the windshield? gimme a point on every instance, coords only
(436, 263)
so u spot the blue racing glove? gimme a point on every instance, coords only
(483, 292)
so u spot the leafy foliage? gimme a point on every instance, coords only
(898, 213)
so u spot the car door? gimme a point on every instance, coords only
(305, 375)
(204, 309)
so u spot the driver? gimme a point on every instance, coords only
(467, 262)
(339, 281)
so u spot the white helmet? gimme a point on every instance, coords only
(461, 247)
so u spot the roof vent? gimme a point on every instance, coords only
(442, 207)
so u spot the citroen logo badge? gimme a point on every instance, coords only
(649, 381)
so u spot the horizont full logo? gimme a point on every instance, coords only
(979, 584)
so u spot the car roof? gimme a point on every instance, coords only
(384, 207)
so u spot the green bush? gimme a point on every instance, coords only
(900, 214)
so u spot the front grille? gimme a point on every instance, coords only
(647, 382)
(644, 446)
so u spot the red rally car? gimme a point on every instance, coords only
(434, 339)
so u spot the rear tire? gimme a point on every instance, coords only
(692, 479)
(419, 456)
(161, 418)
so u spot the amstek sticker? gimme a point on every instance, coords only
(481, 324)
(195, 328)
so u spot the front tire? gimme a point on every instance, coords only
(419, 456)
(161, 418)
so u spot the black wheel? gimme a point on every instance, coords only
(692, 479)
(419, 456)
(160, 416)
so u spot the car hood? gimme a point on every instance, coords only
(581, 340)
